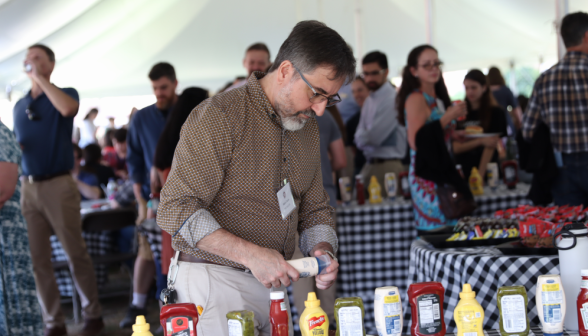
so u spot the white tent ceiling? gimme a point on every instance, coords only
(106, 47)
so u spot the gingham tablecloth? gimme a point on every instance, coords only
(375, 243)
(152, 231)
(484, 271)
(97, 244)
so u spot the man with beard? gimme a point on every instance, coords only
(379, 134)
(143, 135)
(239, 152)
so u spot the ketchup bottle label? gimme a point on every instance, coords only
(180, 326)
(429, 314)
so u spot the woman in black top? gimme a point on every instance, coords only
(483, 111)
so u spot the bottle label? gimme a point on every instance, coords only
(235, 328)
(584, 315)
(350, 321)
(283, 306)
(180, 326)
(316, 321)
(429, 314)
(552, 298)
(471, 321)
(584, 284)
(392, 311)
(514, 314)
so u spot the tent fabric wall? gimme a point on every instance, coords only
(106, 47)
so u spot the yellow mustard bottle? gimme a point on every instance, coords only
(468, 314)
(375, 191)
(314, 320)
(476, 185)
(141, 327)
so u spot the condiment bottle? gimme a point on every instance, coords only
(359, 190)
(476, 185)
(349, 313)
(241, 323)
(375, 191)
(388, 311)
(177, 317)
(512, 304)
(391, 185)
(278, 314)
(426, 304)
(582, 305)
(404, 185)
(311, 266)
(511, 175)
(492, 174)
(551, 304)
(468, 314)
(141, 327)
(313, 320)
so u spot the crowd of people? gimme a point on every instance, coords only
(291, 128)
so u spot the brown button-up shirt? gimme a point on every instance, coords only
(232, 158)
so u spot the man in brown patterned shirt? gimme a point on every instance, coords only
(236, 151)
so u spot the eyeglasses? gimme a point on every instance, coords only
(319, 98)
(31, 114)
(429, 66)
(372, 73)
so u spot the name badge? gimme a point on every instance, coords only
(286, 201)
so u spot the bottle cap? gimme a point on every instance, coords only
(584, 272)
(311, 301)
(467, 292)
(140, 324)
(323, 261)
(276, 295)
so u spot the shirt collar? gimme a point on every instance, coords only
(382, 91)
(575, 55)
(256, 92)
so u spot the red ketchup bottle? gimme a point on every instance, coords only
(179, 319)
(426, 304)
(278, 314)
(511, 174)
(359, 190)
(582, 305)
(404, 185)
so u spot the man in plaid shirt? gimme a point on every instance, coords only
(560, 100)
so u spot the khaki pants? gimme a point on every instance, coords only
(221, 289)
(379, 170)
(53, 207)
(302, 287)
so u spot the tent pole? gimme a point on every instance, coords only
(561, 10)
(429, 20)
(358, 31)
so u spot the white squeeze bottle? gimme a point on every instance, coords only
(551, 304)
(388, 311)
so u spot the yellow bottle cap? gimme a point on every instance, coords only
(373, 180)
(140, 324)
(311, 301)
(467, 292)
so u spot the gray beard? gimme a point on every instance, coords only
(290, 120)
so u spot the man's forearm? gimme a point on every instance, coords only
(66, 105)
(225, 244)
(137, 190)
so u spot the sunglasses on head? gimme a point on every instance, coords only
(33, 116)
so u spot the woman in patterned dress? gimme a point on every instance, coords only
(20, 313)
(423, 97)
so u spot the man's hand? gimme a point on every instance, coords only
(325, 281)
(270, 268)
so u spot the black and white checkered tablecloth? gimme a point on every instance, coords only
(483, 271)
(375, 242)
(152, 231)
(97, 244)
(535, 331)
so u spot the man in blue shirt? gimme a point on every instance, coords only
(144, 131)
(43, 122)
